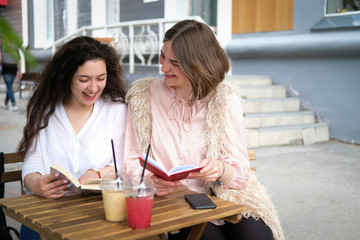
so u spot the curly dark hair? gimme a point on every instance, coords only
(55, 82)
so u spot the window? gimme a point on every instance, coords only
(336, 7)
(112, 11)
(339, 15)
(206, 9)
(50, 19)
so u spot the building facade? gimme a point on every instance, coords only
(313, 47)
(318, 57)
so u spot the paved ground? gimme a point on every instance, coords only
(316, 188)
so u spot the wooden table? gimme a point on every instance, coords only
(83, 217)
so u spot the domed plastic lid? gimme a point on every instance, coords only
(111, 182)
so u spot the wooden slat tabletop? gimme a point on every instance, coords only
(83, 217)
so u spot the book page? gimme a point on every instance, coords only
(176, 173)
(154, 163)
(63, 173)
(90, 188)
(182, 168)
(92, 181)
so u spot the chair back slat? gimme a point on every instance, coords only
(12, 158)
(13, 175)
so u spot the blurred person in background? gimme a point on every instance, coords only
(11, 70)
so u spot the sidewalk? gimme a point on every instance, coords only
(315, 188)
(12, 123)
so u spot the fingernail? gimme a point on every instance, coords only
(69, 185)
(66, 192)
(65, 181)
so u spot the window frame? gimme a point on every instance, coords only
(338, 21)
(337, 14)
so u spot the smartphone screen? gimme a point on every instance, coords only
(199, 201)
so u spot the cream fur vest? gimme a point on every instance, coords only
(254, 195)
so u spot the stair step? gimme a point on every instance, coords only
(271, 118)
(257, 120)
(262, 105)
(270, 91)
(287, 135)
(251, 80)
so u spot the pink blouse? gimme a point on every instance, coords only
(178, 136)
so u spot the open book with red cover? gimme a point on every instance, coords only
(175, 174)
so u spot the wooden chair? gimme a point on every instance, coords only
(5, 177)
(10, 176)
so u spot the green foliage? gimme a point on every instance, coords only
(11, 41)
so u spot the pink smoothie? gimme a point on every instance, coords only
(139, 211)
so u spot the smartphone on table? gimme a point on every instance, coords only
(199, 201)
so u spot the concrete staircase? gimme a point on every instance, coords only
(273, 118)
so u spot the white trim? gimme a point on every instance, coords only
(117, 10)
(176, 8)
(98, 16)
(342, 14)
(40, 21)
(25, 31)
(224, 21)
(25, 24)
(71, 9)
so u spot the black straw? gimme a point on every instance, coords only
(116, 171)
(143, 172)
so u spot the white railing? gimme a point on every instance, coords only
(137, 42)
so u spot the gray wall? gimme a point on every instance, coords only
(322, 66)
(131, 10)
(59, 28)
(84, 13)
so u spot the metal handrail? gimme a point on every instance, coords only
(129, 43)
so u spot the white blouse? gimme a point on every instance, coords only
(90, 148)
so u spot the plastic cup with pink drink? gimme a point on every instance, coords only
(139, 202)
